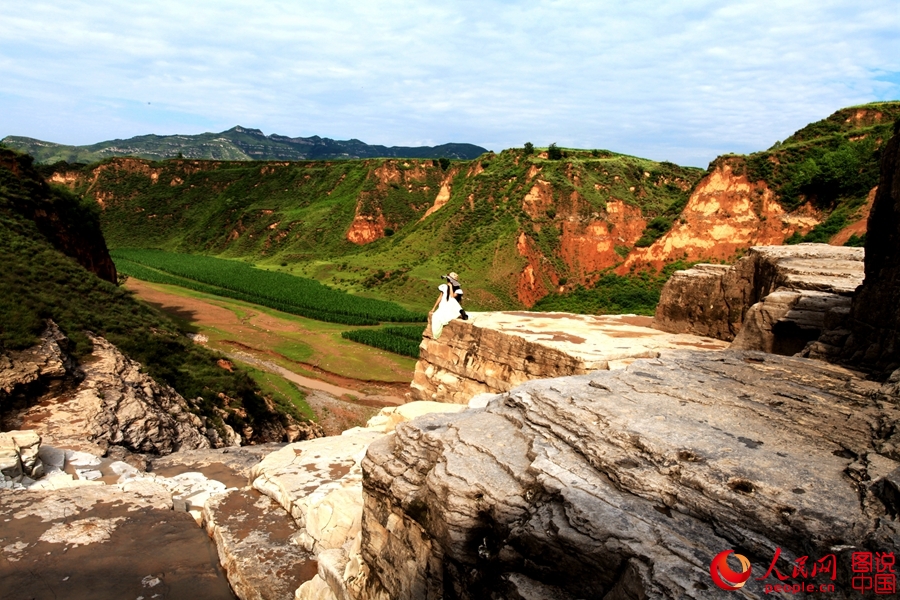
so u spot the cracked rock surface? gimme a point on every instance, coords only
(104, 542)
(625, 484)
(253, 536)
(714, 300)
(117, 404)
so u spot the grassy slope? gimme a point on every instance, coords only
(832, 163)
(39, 283)
(294, 217)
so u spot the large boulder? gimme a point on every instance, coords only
(718, 300)
(626, 484)
(19, 456)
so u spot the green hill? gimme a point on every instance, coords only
(300, 217)
(238, 143)
(517, 226)
(43, 278)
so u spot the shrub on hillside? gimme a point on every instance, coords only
(554, 152)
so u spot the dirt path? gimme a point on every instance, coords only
(312, 356)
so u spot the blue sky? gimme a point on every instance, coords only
(680, 81)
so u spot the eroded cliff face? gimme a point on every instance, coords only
(874, 318)
(726, 214)
(67, 225)
(369, 221)
(494, 352)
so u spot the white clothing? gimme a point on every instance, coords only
(447, 310)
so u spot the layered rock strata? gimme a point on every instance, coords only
(117, 404)
(493, 352)
(718, 300)
(319, 483)
(626, 483)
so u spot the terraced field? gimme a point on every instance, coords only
(235, 279)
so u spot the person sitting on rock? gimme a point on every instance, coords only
(453, 279)
(445, 309)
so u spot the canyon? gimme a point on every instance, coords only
(548, 455)
(518, 227)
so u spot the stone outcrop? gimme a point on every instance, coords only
(874, 319)
(40, 367)
(718, 300)
(319, 483)
(19, 458)
(493, 352)
(626, 483)
(784, 322)
(117, 404)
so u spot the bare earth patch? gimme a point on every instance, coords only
(348, 382)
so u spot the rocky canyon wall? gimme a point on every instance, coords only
(714, 300)
(875, 318)
(626, 483)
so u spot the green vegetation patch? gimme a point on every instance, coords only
(296, 295)
(613, 294)
(829, 161)
(399, 340)
(39, 282)
(287, 397)
(856, 241)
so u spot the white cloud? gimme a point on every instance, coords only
(681, 81)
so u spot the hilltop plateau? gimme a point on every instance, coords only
(237, 143)
(541, 229)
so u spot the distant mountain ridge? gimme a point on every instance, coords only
(237, 143)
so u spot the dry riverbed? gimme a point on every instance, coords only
(346, 382)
